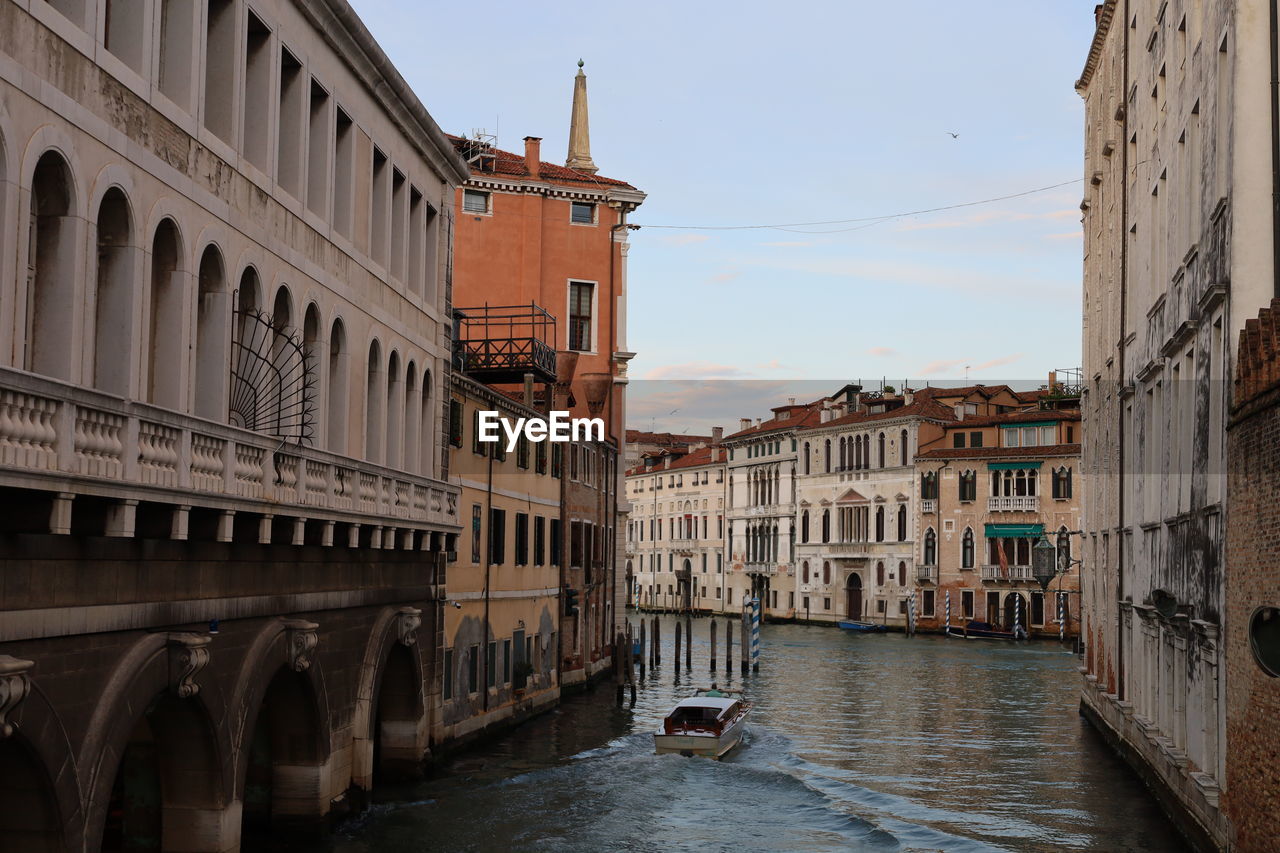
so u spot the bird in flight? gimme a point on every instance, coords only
(953, 135)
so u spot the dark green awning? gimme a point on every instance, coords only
(1011, 466)
(1014, 531)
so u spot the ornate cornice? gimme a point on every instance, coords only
(15, 684)
(188, 654)
(301, 640)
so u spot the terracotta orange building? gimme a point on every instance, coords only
(539, 292)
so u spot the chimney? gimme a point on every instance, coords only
(744, 423)
(533, 155)
(908, 397)
(666, 461)
(825, 415)
(791, 401)
(717, 435)
(758, 421)
(959, 408)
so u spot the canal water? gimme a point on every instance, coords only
(855, 742)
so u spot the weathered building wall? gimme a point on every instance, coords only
(1253, 587)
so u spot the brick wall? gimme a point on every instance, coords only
(1253, 580)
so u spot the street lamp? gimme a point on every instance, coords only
(1044, 563)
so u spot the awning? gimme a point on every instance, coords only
(1014, 531)
(1011, 466)
(1028, 424)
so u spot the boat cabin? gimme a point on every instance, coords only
(702, 713)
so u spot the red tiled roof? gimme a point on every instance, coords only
(1033, 416)
(665, 439)
(810, 414)
(508, 164)
(1001, 452)
(696, 459)
(925, 408)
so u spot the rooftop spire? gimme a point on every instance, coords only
(579, 132)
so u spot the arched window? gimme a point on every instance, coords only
(395, 413)
(929, 486)
(1064, 548)
(1062, 483)
(51, 273)
(113, 322)
(427, 462)
(902, 448)
(966, 549)
(930, 548)
(826, 572)
(826, 525)
(213, 338)
(374, 399)
(880, 453)
(967, 485)
(412, 411)
(880, 524)
(902, 573)
(804, 572)
(804, 526)
(826, 456)
(880, 573)
(843, 463)
(902, 523)
(336, 434)
(163, 358)
(806, 457)
(857, 453)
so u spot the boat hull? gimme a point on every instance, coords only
(863, 627)
(706, 745)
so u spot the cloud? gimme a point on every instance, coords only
(999, 362)
(940, 366)
(685, 239)
(882, 352)
(724, 277)
(696, 370)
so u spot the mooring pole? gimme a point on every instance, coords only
(688, 640)
(728, 646)
(642, 645)
(713, 644)
(678, 627)
(746, 638)
(657, 643)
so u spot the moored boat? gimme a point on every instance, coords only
(976, 630)
(709, 723)
(863, 627)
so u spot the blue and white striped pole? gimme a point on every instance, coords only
(755, 634)
(1017, 616)
(1062, 624)
(947, 630)
(911, 613)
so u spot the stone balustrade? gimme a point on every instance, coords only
(55, 436)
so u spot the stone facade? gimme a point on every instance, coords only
(1179, 249)
(223, 302)
(676, 534)
(1253, 587)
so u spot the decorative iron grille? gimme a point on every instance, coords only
(272, 379)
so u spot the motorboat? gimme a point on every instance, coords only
(862, 627)
(976, 630)
(709, 723)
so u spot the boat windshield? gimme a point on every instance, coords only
(695, 715)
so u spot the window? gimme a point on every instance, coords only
(905, 444)
(557, 460)
(966, 549)
(929, 486)
(219, 68)
(826, 604)
(177, 35)
(582, 213)
(475, 201)
(539, 540)
(993, 608)
(318, 152)
(968, 485)
(826, 525)
(804, 572)
(540, 460)
(556, 543)
(581, 295)
(826, 572)
(448, 674)
(1037, 608)
(975, 439)
(257, 94)
(1062, 483)
(475, 533)
(930, 548)
(344, 152)
(522, 452)
(926, 605)
(522, 539)
(506, 661)
(957, 439)
(966, 603)
(455, 423)
(804, 526)
(289, 158)
(902, 523)
(477, 446)
(497, 536)
(880, 573)
(880, 605)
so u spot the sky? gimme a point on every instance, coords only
(779, 114)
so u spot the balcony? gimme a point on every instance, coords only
(926, 573)
(1015, 573)
(761, 568)
(1024, 503)
(929, 505)
(502, 343)
(77, 440)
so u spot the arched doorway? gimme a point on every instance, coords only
(853, 597)
(29, 817)
(1011, 602)
(398, 717)
(166, 774)
(283, 764)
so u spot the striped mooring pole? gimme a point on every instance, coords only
(1062, 625)
(755, 634)
(947, 630)
(1017, 615)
